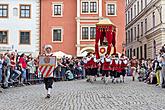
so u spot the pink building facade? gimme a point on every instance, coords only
(69, 25)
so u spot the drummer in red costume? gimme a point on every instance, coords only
(106, 68)
(124, 63)
(113, 66)
(94, 67)
(87, 66)
(117, 68)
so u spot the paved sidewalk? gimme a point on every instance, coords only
(80, 95)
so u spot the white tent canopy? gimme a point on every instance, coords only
(83, 54)
(60, 54)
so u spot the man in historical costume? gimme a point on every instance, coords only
(134, 64)
(87, 66)
(117, 68)
(94, 67)
(48, 80)
(113, 70)
(106, 68)
(124, 63)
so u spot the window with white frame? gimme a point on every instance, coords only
(85, 33)
(57, 35)
(3, 11)
(88, 33)
(57, 9)
(135, 33)
(134, 10)
(141, 28)
(85, 7)
(131, 13)
(128, 16)
(146, 25)
(141, 5)
(126, 38)
(24, 37)
(138, 8)
(111, 9)
(153, 18)
(93, 7)
(3, 37)
(89, 7)
(92, 32)
(25, 11)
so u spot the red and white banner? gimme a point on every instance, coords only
(102, 50)
(47, 65)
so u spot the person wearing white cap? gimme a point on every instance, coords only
(48, 80)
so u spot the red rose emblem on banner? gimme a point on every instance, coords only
(102, 50)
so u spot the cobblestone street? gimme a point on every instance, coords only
(80, 95)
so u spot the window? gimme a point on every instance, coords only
(138, 7)
(25, 11)
(93, 7)
(128, 36)
(111, 9)
(135, 33)
(131, 34)
(141, 28)
(84, 33)
(145, 51)
(141, 4)
(145, 2)
(146, 25)
(153, 17)
(3, 11)
(57, 35)
(138, 53)
(92, 32)
(135, 10)
(128, 54)
(24, 37)
(85, 7)
(138, 32)
(134, 52)
(128, 16)
(131, 53)
(88, 33)
(131, 14)
(89, 7)
(141, 52)
(3, 37)
(57, 10)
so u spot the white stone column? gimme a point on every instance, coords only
(78, 27)
(100, 8)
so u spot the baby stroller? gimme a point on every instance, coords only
(69, 75)
(141, 73)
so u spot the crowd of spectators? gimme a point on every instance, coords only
(21, 70)
(151, 71)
